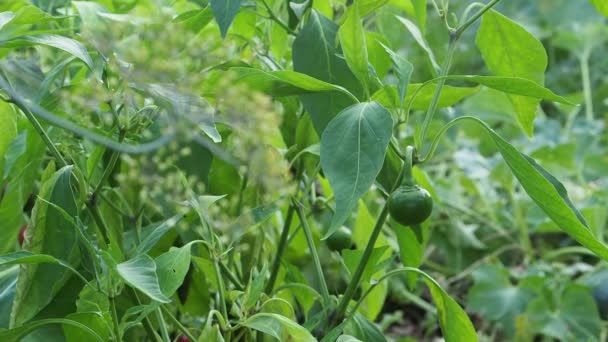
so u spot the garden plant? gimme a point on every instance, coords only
(303, 170)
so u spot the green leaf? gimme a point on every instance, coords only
(419, 95)
(547, 192)
(419, 38)
(224, 12)
(25, 257)
(411, 251)
(16, 334)
(388, 96)
(368, 6)
(354, 47)
(161, 229)
(514, 85)
(15, 150)
(601, 6)
(255, 287)
(509, 50)
(284, 82)
(66, 44)
(353, 147)
(278, 326)
(172, 267)
(315, 54)
(352, 259)
(140, 273)
(574, 318)
(379, 59)
(367, 331)
(8, 285)
(195, 20)
(93, 320)
(495, 298)
(8, 127)
(5, 18)
(49, 233)
(403, 69)
(454, 322)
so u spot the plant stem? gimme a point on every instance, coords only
(460, 30)
(356, 278)
(239, 205)
(163, 327)
(115, 319)
(102, 229)
(584, 61)
(146, 322)
(313, 252)
(274, 272)
(277, 19)
(220, 288)
(111, 165)
(231, 276)
(408, 177)
(445, 68)
(179, 325)
(367, 253)
(41, 132)
(520, 221)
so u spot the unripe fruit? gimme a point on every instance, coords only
(410, 205)
(340, 239)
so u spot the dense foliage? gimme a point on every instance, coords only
(303, 170)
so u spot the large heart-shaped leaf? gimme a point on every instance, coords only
(352, 152)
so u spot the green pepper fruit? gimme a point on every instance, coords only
(410, 205)
(340, 239)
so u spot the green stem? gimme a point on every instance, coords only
(445, 68)
(146, 321)
(278, 20)
(111, 165)
(520, 222)
(239, 205)
(163, 327)
(102, 229)
(115, 321)
(440, 134)
(274, 272)
(367, 253)
(408, 177)
(220, 289)
(179, 325)
(66, 124)
(231, 276)
(313, 252)
(460, 30)
(584, 61)
(41, 132)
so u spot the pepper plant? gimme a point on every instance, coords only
(232, 170)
